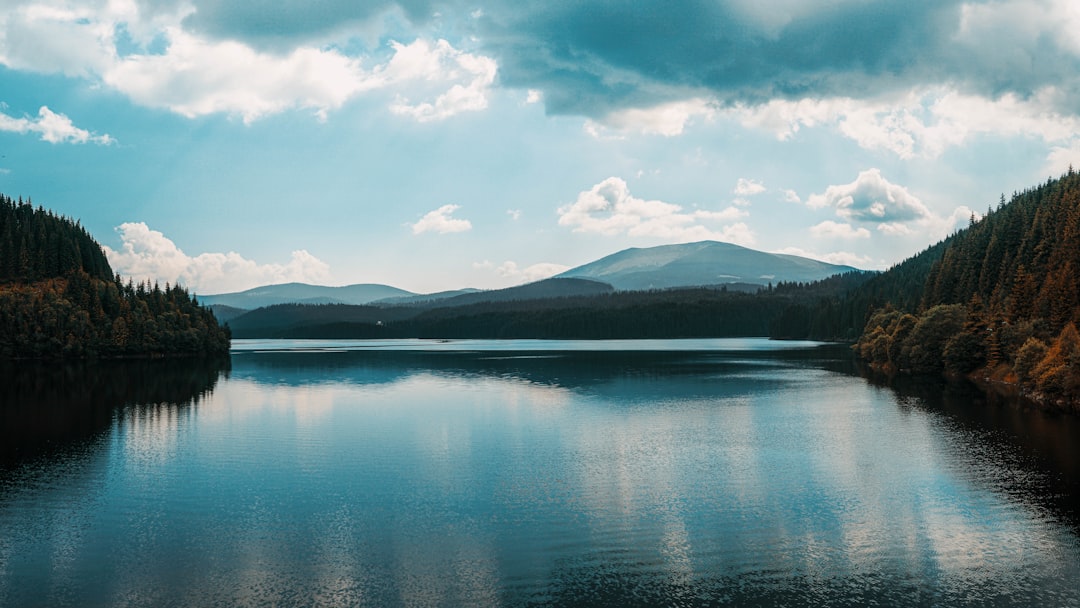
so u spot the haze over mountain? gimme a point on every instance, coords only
(302, 293)
(664, 267)
(701, 263)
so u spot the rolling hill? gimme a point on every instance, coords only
(701, 263)
(302, 293)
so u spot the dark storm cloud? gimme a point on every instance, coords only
(279, 23)
(592, 57)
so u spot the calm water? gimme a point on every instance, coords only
(724, 472)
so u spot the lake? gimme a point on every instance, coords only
(514, 473)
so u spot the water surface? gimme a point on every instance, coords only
(720, 472)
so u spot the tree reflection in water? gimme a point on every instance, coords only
(50, 406)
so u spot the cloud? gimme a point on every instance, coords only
(790, 196)
(748, 187)
(871, 199)
(608, 208)
(69, 40)
(593, 60)
(288, 23)
(920, 123)
(149, 255)
(529, 274)
(515, 214)
(835, 230)
(1061, 158)
(845, 258)
(196, 77)
(168, 62)
(890, 208)
(440, 221)
(667, 119)
(441, 62)
(52, 127)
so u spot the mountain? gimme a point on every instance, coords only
(278, 319)
(425, 298)
(669, 266)
(537, 290)
(302, 293)
(224, 313)
(702, 263)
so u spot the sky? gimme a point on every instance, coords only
(440, 144)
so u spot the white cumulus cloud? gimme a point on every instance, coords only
(668, 119)
(831, 229)
(890, 208)
(920, 123)
(471, 76)
(609, 208)
(440, 221)
(871, 199)
(845, 258)
(148, 255)
(748, 187)
(193, 75)
(52, 127)
(534, 272)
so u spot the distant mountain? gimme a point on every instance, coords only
(224, 313)
(702, 263)
(424, 298)
(302, 293)
(538, 290)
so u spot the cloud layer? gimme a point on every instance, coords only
(148, 255)
(160, 58)
(595, 58)
(609, 208)
(910, 77)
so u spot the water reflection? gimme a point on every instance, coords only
(56, 405)
(1043, 446)
(523, 478)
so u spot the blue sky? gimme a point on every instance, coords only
(434, 144)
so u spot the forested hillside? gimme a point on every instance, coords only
(1000, 299)
(672, 313)
(59, 298)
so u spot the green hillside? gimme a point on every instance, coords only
(59, 298)
(999, 300)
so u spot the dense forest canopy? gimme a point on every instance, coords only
(36, 244)
(1000, 299)
(59, 297)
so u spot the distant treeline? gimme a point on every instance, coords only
(675, 313)
(59, 298)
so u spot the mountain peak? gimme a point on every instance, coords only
(700, 263)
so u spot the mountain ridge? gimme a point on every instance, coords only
(703, 263)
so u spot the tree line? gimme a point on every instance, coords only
(1000, 299)
(706, 312)
(59, 298)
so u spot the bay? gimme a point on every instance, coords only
(450, 473)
